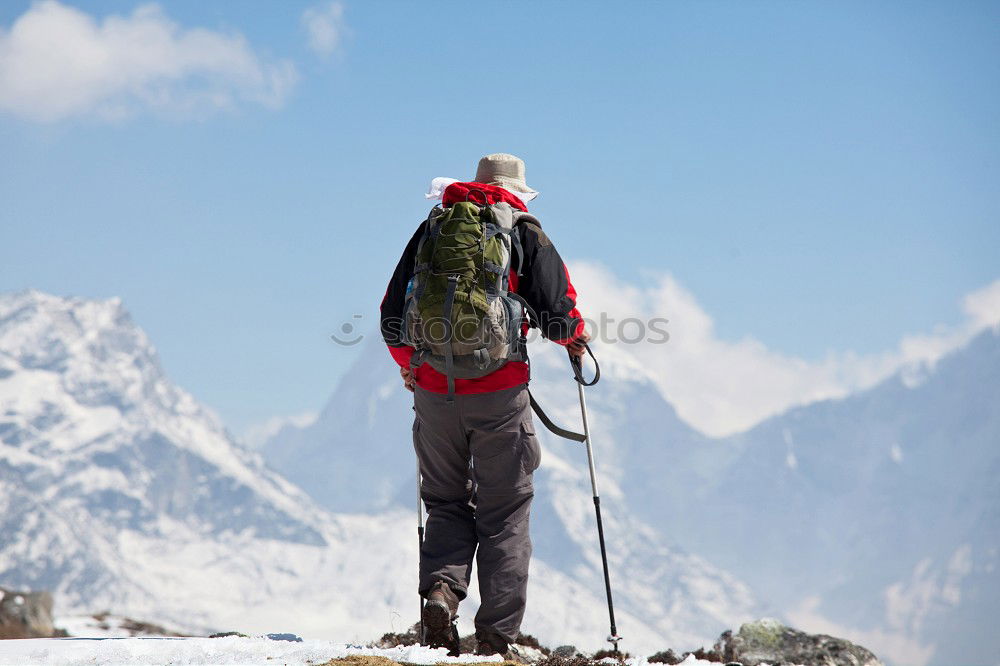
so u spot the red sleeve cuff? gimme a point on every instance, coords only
(401, 355)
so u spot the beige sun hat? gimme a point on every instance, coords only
(506, 171)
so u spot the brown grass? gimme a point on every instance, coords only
(364, 660)
(361, 660)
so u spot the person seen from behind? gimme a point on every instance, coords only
(455, 316)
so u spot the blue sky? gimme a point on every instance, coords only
(821, 177)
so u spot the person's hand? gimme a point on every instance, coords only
(576, 346)
(408, 380)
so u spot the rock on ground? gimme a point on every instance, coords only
(768, 641)
(25, 614)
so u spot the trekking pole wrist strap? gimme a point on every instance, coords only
(576, 362)
(550, 424)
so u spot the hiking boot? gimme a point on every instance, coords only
(512, 653)
(440, 611)
(490, 644)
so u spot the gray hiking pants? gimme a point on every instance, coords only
(476, 459)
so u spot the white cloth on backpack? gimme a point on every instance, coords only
(440, 184)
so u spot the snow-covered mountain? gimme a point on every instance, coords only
(118, 491)
(874, 516)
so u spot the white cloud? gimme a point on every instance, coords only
(57, 61)
(324, 26)
(721, 387)
(257, 434)
(983, 306)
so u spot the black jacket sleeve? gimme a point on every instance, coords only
(544, 284)
(395, 295)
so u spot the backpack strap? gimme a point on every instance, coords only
(418, 358)
(517, 253)
(533, 321)
(449, 354)
(515, 239)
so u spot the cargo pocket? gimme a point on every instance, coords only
(531, 450)
(497, 461)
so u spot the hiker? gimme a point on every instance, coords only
(482, 262)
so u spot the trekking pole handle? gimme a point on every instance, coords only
(577, 363)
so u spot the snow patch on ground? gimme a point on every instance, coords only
(255, 651)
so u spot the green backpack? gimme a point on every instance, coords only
(460, 315)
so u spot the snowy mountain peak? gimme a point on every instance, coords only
(101, 456)
(45, 331)
(101, 357)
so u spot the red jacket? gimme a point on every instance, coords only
(544, 283)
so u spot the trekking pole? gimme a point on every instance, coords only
(420, 544)
(576, 362)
